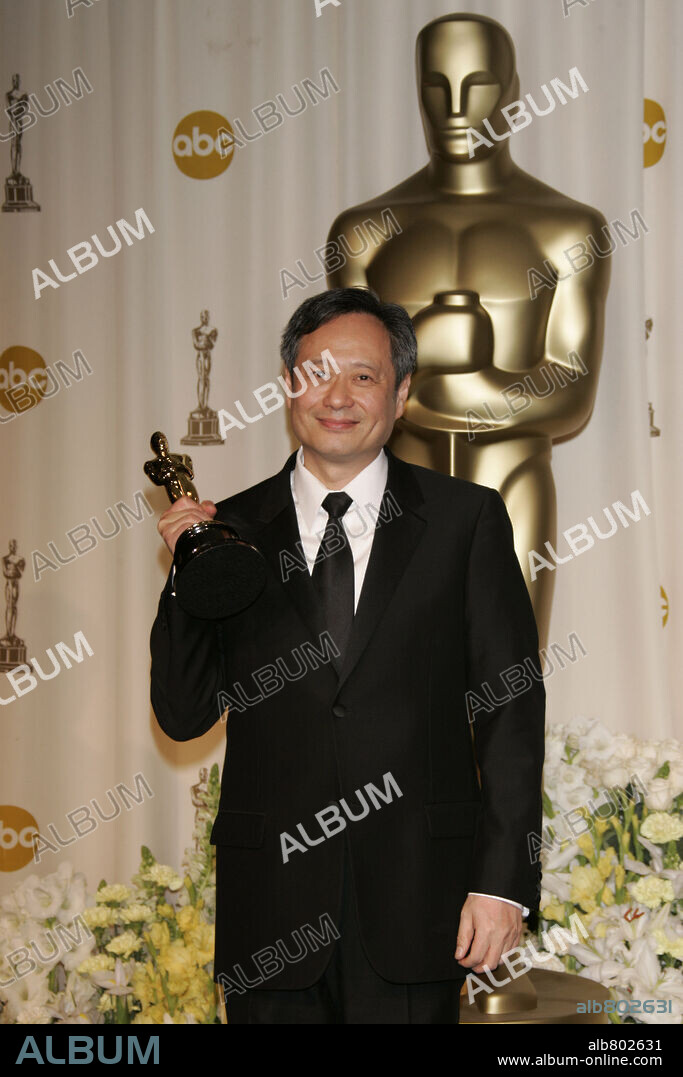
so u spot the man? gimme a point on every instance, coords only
(362, 867)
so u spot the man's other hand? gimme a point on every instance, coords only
(488, 928)
(182, 514)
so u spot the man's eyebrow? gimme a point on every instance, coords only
(352, 362)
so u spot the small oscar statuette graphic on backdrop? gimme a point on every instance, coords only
(12, 649)
(202, 425)
(216, 572)
(18, 189)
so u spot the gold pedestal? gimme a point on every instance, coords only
(540, 997)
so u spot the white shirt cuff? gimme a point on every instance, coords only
(525, 911)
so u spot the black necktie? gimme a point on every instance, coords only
(333, 572)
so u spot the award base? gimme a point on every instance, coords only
(217, 573)
(18, 195)
(12, 653)
(202, 429)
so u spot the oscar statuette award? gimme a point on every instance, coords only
(18, 189)
(217, 574)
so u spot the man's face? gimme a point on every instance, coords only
(348, 416)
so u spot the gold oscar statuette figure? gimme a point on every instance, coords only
(202, 425)
(217, 574)
(18, 189)
(486, 404)
(12, 649)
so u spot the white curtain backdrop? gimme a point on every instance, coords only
(220, 244)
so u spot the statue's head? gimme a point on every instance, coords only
(159, 444)
(12, 545)
(204, 317)
(465, 74)
(15, 82)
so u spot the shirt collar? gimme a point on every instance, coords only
(366, 488)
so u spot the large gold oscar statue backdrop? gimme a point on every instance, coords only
(475, 229)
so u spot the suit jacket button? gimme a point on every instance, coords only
(338, 710)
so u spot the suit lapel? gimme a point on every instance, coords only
(400, 525)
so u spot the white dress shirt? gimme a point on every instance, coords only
(359, 521)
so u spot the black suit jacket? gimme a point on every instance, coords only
(444, 609)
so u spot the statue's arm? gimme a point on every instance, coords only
(570, 363)
(344, 271)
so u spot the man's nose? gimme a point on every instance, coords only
(338, 393)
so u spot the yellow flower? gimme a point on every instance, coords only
(176, 960)
(187, 917)
(152, 1015)
(115, 892)
(105, 1004)
(585, 844)
(586, 882)
(165, 910)
(97, 963)
(652, 891)
(100, 916)
(600, 930)
(135, 914)
(668, 945)
(147, 986)
(200, 988)
(201, 942)
(600, 825)
(607, 897)
(198, 1010)
(619, 876)
(606, 862)
(554, 912)
(661, 827)
(159, 934)
(163, 875)
(676, 949)
(124, 944)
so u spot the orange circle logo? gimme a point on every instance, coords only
(18, 829)
(22, 378)
(203, 145)
(654, 133)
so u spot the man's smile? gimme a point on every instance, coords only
(338, 424)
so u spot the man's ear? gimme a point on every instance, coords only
(287, 377)
(402, 395)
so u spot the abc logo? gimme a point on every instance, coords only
(654, 133)
(17, 831)
(17, 366)
(197, 145)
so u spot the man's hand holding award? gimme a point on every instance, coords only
(217, 574)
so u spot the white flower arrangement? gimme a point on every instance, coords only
(139, 953)
(611, 854)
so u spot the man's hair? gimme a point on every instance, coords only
(322, 308)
